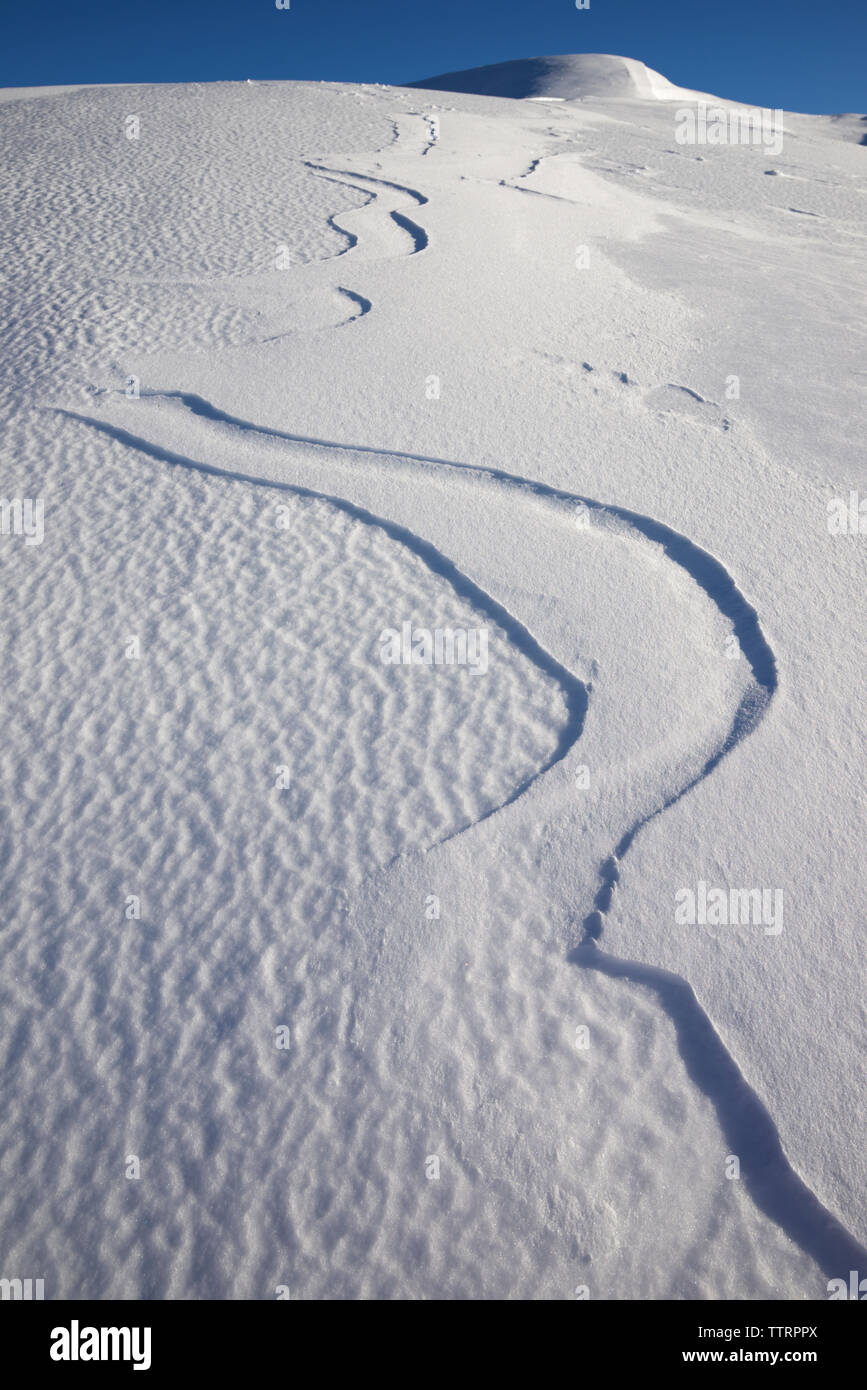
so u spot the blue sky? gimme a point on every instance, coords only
(803, 55)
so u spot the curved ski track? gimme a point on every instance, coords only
(361, 183)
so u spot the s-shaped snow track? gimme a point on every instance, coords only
(772, 1182)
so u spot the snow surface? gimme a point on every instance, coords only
(440, 410)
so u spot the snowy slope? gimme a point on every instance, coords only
(299, 364)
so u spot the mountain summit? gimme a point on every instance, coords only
(564, 77)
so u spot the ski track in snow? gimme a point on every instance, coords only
(361, 183)
(745, 1121)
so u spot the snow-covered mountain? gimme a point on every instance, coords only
(432, 571)
(562, 77)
